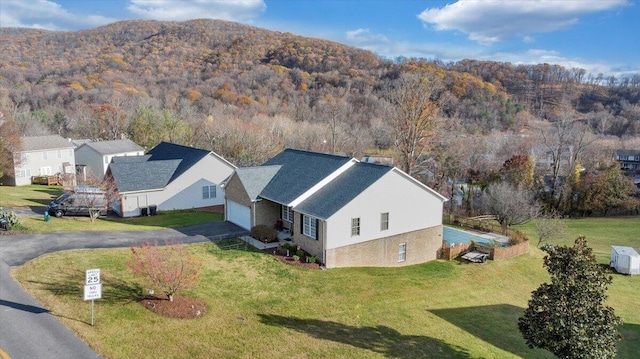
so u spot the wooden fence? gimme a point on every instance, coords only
(46, 180)
(477, 224)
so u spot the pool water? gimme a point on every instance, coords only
(453, 236)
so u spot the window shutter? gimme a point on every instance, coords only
(317, 230)
(301, 223)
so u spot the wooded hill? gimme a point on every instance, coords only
(247, 92)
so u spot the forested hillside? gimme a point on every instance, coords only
(246, 92)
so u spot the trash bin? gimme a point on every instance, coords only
(153, 209)
(144, 211)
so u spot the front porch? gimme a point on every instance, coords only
(284, 236)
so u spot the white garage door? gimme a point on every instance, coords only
(238, 214)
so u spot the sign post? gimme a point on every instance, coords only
(92, 288)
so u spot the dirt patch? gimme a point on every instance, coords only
(181, 307)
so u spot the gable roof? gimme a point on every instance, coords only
(159, 167)
(300, 170)
(113, 147)
(628, 153)
(38, 143)
(255, 179)
(133, 176)
(344, 188)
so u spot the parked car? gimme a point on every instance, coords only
(78, 203)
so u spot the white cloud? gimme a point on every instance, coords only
(237, 10)
(490, 21)
(364, 36)
(44, 14)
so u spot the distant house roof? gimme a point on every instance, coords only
(38, 143)
(342, 190)
(123, 159)
(114, 147)
(300, 171)
(255, 179)
(140, 176)
(171, 151)
(628, 153)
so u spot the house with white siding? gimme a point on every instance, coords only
(345, 212)
(168, 177)
(41, 156)
(93, 158)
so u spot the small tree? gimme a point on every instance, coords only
(511, 205)
(568, 317)
(167, 268)
(96, 194)
(550, 226)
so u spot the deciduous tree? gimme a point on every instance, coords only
(567, 316)
(168, 268)
(550, 226)
(511, 205)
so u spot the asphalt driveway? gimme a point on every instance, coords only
(28, 330)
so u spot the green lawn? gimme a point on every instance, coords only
(40, 196)
(259, 307)
(28, 196)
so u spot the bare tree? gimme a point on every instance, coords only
(414, 120)
(511, 205)
(550, 226)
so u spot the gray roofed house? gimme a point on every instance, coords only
(42, 156)
(168, 177)
(93, 158)
(345, 212)
(629, 160)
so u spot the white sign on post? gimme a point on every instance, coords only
(92, 276)
(93, 291)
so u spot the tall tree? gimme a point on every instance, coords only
(511, 205)
(567, 316)
(518, 170)
(10, 142)
(414, 121)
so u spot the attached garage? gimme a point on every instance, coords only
(238, 214)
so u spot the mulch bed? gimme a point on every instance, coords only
(181, 307)
(288, 260)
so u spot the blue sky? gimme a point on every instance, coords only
(600, 36)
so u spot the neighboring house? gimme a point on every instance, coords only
(544, 158)
(346, 212)
(42, 156)
(629, 160)
(94, 157)
(168, 177)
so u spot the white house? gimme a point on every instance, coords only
(94, 157)
(346, 212)
(41, 156)
(168, 177)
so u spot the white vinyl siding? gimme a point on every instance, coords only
(402, 252)
(44, 155)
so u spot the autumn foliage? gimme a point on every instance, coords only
(168, 268)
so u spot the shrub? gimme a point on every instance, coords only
(311, 259)
(286, 245)
(11, 216)
(517, 237)
(296, 258)
(264, 233)
(299, 252)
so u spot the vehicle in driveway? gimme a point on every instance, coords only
(79, 202)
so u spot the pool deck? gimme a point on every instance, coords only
(462, 236)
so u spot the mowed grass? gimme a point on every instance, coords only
(37, 196)
(28, 196)
(259, 307)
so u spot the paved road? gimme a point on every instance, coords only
(28, 330)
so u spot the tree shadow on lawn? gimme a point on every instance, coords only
(114, 290)
(495, 324)
(629, 347)
(380, 339)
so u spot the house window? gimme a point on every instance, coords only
(355, 226)
(208, 192)
(309, 226)
(44, 155)
(384, 221)
(45, 171)
(402, 252)
(71, 153)
(106, 159)
(59, 153)
(287, 213)
(23, 173)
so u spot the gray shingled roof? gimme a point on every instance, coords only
(255, 179)
(114, 147)
(38, 143)
(189, 156)
(300, 171)
(122, 159)
(139, 176)
(628, 152)
(342, 190)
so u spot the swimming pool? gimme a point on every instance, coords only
(453, 236)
